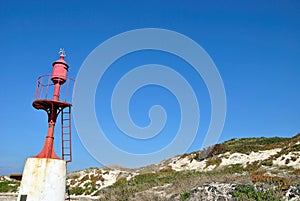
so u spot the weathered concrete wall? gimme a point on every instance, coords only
(44, 179)
(8, 196)
(13, 197)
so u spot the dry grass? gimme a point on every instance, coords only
(158, 186)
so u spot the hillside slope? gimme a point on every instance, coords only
(238, 169)
(262, 166)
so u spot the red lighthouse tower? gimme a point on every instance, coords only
(44, 175)
(54, 106)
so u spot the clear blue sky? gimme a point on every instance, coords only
(255, 46)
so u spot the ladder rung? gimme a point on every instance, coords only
(66, 134)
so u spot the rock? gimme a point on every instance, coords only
(208, 192)
(213, 191)
(224, 192)
(293, 193)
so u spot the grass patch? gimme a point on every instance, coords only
(247, 145)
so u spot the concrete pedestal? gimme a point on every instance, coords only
(44, 179)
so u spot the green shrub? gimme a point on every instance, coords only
(295, 147)
(267, 162)
(254, 166)
(77, 191)
(185, 196)
(231, 169)
(294, 158)
(213, 161)
(9, 186)
(250, 193)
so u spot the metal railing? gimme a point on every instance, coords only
(45, 89)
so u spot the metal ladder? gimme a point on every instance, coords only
(66, 134)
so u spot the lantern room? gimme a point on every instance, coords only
(60, 69)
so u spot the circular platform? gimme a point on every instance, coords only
(45, 104)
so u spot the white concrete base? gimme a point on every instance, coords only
(43, 179)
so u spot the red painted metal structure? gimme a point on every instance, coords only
(52, 96)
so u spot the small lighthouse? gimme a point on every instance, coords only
(44, 175)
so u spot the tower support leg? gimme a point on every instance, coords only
(48, 149)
